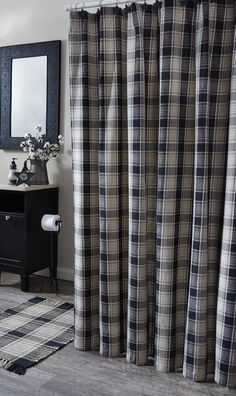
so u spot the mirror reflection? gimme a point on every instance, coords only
(29, 95)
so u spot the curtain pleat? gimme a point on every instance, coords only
(225, 373)
(196, 328)
(151, 44)
(113, 182)
(84, 102)
(153, 134)
(137, 334)
(175, 182)
(214, 40)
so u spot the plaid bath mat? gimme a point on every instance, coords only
(32, 331)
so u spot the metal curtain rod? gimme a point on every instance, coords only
(101, 3)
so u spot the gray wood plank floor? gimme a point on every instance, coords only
(73, 373)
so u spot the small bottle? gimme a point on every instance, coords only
(12, 178)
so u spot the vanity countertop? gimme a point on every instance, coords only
(23, 187)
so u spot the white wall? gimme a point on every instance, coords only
(28, 21)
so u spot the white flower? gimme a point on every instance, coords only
(60, 139)
(40, 139)
(40, 148)
(39, 152)
(46, 145)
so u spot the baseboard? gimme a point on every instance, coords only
(62, 273)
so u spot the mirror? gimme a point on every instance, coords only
(30, 90)
(29, 81)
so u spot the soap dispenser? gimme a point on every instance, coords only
(12, 178)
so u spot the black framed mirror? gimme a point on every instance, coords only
(30, 91)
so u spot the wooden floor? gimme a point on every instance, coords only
(72, 373)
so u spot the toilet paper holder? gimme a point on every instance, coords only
(58, 223)
(53, 248)
(51, 222)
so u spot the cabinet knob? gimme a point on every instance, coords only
(7, 218)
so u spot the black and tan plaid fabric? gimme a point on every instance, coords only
(154, 146)
(32, 331)
(226, 308)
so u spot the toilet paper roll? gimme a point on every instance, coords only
(50, 222)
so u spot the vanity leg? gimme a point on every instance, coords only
(24, 282)
(53, 261)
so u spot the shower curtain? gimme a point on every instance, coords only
(153, 116)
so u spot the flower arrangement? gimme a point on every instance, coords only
(38, 147)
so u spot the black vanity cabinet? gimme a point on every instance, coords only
(24, 247)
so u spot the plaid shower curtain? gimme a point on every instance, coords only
(153, 111)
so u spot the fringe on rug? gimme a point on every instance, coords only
(12, 367)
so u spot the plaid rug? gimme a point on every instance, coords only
(32, 331)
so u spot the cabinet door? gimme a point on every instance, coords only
(12, 238)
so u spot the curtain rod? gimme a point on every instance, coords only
(80, 6)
